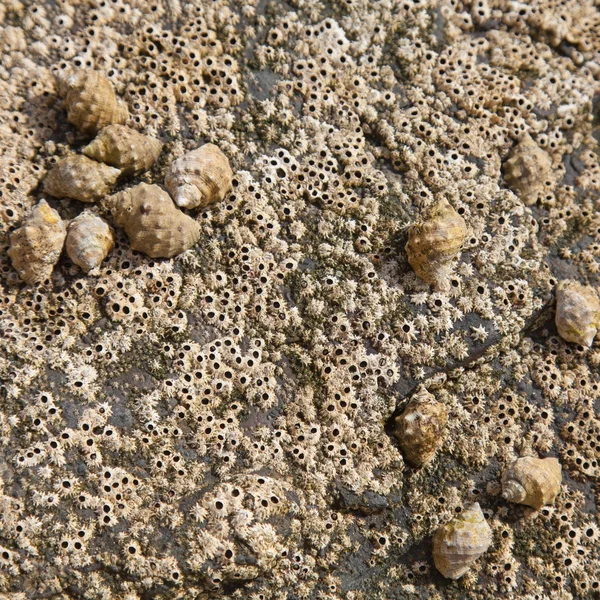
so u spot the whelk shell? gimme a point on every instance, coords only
(577, 312)
(532, 481)
(89, 240)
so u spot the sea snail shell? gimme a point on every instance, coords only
(90, 101)
(459, 543)
(124, 148)
(420, 428)
(532, 481)
(199, 178)
(435, 242)
(89, 240)
(36, 246)
(577, 312)
(80, 178)
(153, 224)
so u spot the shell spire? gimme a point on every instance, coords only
(153, 224)
(36, 246)
(532, 481)
(459, 543)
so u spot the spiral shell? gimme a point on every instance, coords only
(199, 178)
(420, 428)
(80, 178)
(90, 101)
(153, 224)
(124, 148)
(36, 246)
(89, 240)
(459, 543)
(435, 242)
(577, 312)
(532, 481)
(526, 170)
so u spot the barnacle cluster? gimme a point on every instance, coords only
(410, 232)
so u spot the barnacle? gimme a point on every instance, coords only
(577, 312)
(153, 224)
(90, 100)
(532, 481)
(435, 242)
(124, 148)
(36, 246)
(199, 178)
(80, 178)
(459, 543)
(89, 240)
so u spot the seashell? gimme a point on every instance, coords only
(532, 481)
(89, 240)
(199, 178)
(90, 101)
(153, 224)
(577, 312)
(36, 246)
(527, 169)
(80, 178)
(459, 543)
(124, 148)
(435, 242)
(420, 428)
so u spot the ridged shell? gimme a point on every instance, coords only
(420, 428)
(90, 101)
(435, 242)
(89, 240)
(36, 246)
(459, 543)
(199, 178)
(124, 148)
(532, 481)
(153, 224)
(577, 312)
(527, 169)
(80, 178)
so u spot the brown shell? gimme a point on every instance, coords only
(90, 101)
(36, 246)
(420, 428)
(532, 481)
(124, 148)
(89, 240)
(527, 169)
(435, 242)
(459, 543)
(80, 178)
(577, 312)
(153, 224)
(199, 178)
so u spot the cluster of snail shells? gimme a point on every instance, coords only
(532, 481)
(526, 170)
(435, 242)
(420, 428)
(459, 543)
(36, 246)
(577, 312)
(199, 178)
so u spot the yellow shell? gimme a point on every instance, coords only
(199, 178)
(526, 170)
(153, 224)
(532, 481)
(89, 240)
(420, 428)
(80, 178)
(577, 312)
(90, 101)
(459, 543)
(124, 148)
(435, 242)
(36, 246)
